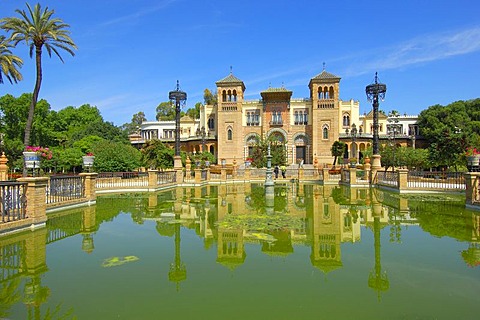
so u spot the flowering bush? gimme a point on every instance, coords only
(471, 151)
(43, 152)
(89, 154)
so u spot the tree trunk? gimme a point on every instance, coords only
(36, 91)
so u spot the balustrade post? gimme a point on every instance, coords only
(36, 199)
(353, 176)
(326, 174)
(367, 169)
(248, 173)
(208, 174)
(402, 179)
(234, 169)
(198, 175)
(472, 188)
(301, 173)
(152, 179)
(223, 174)
(3, 167)
(90, 180)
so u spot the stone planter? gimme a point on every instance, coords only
(32, 159)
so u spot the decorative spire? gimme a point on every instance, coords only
(231, 70)
(324, 66)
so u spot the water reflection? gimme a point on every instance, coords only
(232, 216)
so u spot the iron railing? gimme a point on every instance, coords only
(13, 202)
(65, 188)
(436, 180)
(387, 178)
(107, 180)
(165, 177)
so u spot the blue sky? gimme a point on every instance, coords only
(131, 52)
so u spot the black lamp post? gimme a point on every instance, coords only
(392, 135)
(179, 98)
(375, 91)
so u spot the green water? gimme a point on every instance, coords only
(228, 252)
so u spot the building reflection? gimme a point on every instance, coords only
(23, 261)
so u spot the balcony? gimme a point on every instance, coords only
(276, 123)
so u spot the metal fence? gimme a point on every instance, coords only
(387, 178)
(65, 188)
(13, 202)
(107, 180)
(436, 180)
(165, 177)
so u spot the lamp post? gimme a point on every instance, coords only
(179, 98)
(374, 92)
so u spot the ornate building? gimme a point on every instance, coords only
(308, 126)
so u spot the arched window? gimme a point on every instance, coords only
(229, 134)
(346, 120)
(224, 96)
(234, 95)
(326, 94)
(211, 123)
(331, 93)
(325, 132)
(229, 95)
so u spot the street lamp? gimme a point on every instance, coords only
(375, 91)
(179, 98)
(353, 134)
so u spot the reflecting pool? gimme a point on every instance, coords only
(231, 252)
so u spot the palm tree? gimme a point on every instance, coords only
(38, 28)
(9, 63)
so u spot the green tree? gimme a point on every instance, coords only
(155, 154)
(38, 28)
(277, 151)
(134, 125)
(451, 129)
(194, 113)
(337, 149)
(9, 63)
(209, 97)
(165, 111)
(113, 156)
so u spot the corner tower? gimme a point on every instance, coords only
(230, 92)
(325, 96)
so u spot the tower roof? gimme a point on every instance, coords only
(324, 77)
(230, 80)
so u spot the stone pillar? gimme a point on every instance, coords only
(326, 174)
(208, 174)
(367, 169)
(472, 184)
(3, 167)
(248, 174)
(35, 251)
(353, 175)
(376, 165)
(178, 167)
(301, 172)
(198, 175)
(234, 169)
(223, 174)
(90, 185)
(36, 199)
(152, 179)
(402, 179)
